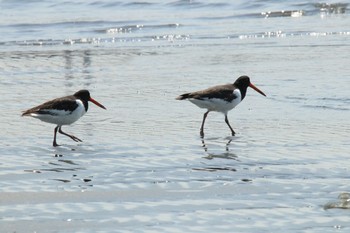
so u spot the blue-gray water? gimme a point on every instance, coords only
(142, 166)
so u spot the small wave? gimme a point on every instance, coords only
(305, 9)
(345, 100)
(331, 103)
(135, 27)
(339, 104)
(296, 98)
(97, 40)
(336, 8)
(122, 4)
(139, 4)
(325, 107)
(185, 3)
(66, 24)
(280, 33)
(292, 13)
(50, 42)
(197, 4)
(215, 169)
(104, 4)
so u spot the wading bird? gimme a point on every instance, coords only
(220, 98)
(63, 111)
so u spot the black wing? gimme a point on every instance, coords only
(67, 103)
(224, 92)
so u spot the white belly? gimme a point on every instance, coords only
(218, 105)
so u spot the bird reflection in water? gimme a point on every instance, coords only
(69, 172)
(225, 155)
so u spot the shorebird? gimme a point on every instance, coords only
(63, 111)
(221, 98)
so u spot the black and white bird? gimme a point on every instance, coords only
(63, 111)
(221, 98)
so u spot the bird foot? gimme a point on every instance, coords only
(75, 138)
(55, 144)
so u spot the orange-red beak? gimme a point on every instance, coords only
(257, 89)
(97, 103)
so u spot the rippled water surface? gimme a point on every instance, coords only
(142, 166)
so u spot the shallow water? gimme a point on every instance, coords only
(142, 166)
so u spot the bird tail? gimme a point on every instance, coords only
(184, 96)
(25, 113)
